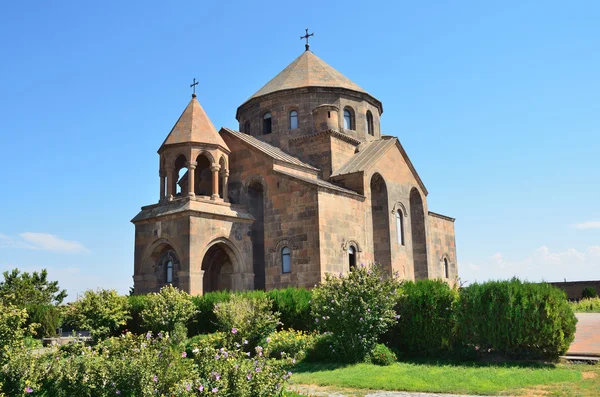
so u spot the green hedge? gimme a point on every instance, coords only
(47, 317)
(515, 319)
(294, 306)
(426, 319)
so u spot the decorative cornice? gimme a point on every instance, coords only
(334, 133)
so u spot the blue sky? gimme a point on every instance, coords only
(496, 104)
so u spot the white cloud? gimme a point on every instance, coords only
(588, 225)
(541, 264)
(42, 242)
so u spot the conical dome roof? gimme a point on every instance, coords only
(194, 126)
(308, 70)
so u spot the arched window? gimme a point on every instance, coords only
(348, 122)
(369, 123)
(293, 120)
(446, 269)
(286, 260)
(247, 127)
(267, 123)
(400, 227)
(170, 271)
(351, 258)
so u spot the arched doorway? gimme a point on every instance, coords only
(218, 269)
(203, 179)
(381, 222)
(419, 237)
(256, 206)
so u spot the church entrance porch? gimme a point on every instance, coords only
(218, 269)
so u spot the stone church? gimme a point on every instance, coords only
(309, 185)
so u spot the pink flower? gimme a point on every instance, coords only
(184, 354)
(28, 390)
(155, 378)
(200, 388)
(234, 330)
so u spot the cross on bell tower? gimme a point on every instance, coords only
(306, 36)
(194, 87)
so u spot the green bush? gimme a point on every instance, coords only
(291, 343)
(516, 319)
(141, 366)
(166, 308)
(426, 318)
(135, 324)
(12, 330)
(204, 320)
(382, 355)
(294, 306)
(246, 320)
(590, 305)
(101, 312)
(46, 319)
(356, 309)
(589, 292)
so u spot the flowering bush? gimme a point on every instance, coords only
(166, 308)
(101, 312)
(382, 355)
(141, 366)
(246, 320)
(356, 309)
(291, 343)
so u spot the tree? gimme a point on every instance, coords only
(101, 312)
(24, 289)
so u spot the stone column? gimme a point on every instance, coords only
(215, 181)
(162, 176)
(225, 180)
(171, 181)
(191, 166)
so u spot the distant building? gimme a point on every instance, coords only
(308, 186)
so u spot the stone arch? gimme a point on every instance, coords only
(203, 175)
(255, 193)
(446, 265)
(419, 235)
(381, 222)
(155, 260)
(351, 123)
(221, 261)
(180, 174)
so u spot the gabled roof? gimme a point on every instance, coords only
(194, 126)
(270, 150)
(370, 152)
(308, 70)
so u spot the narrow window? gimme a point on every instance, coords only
(400, 227)
(247, 127)
(169, 271)
(369, 123)
(329, 114)
(286, 260)
(446, 270)
(293, 120)
(347, 119)
(352, 258)
(267, 123)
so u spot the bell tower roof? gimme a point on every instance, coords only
(194, 126)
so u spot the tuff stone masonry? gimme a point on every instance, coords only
(309, 186)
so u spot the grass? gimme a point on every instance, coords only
(590, 305)
(470, 378)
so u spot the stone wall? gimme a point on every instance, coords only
(575, 288)
(442, 245)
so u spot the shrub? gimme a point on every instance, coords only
(246, 320)
(356, 309)
(291, 343)
(294, 306)
(589, 292)
(101, 312)
(135, 324)
(204, 320)
(590, 305)
(382, 355)
(12, 329)
(45, 319)
(166, 308)
(141, 365)
(426, 318)
(516, 319)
